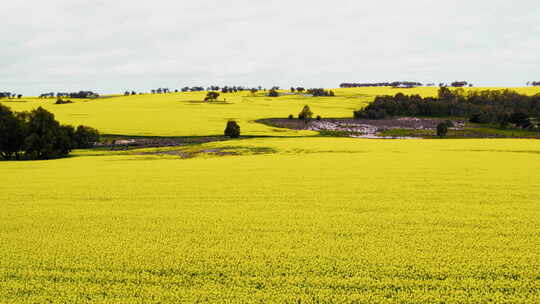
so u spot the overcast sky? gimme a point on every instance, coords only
(110, 46)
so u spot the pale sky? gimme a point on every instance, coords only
(113, 46)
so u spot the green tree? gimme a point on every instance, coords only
(445, 93)
(85, 137)
(211, 96)
(305, 114)
(442, 129)
(12, 133)
(46, 138)
(273, 93)
(233, 129)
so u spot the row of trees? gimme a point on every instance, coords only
(403, 84)
(225, 90)
(488, 106)
(318, 92)
(37, 135)
(321, 92)
(160, 91)
(458, 84)
(10, 95)
(534, 83)
(382, 84)
(272, 92)
(80, 94)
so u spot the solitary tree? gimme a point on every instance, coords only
(305, 114)
(211, 96)
(233, 129)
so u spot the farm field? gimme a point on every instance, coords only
(184, 114)
(317, 219)
(287, 218)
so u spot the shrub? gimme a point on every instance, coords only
(449, 123)
(61, 101)
(442, 129)
(233, 129)
(291, 116)
(318, 117)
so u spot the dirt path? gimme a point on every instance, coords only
(360, 128)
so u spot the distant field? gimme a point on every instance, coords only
(316, 220)
(284, 219)
(184, 114)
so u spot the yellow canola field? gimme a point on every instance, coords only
(311, 220)
(185, 114)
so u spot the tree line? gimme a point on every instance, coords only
(404, 84)
(321, 92)
(315, 92)
(502, 107)
(382, 84)
(80, 94)
(10, 95)
(272, 92)
(534, 83)
(224, 89)
(37, 135)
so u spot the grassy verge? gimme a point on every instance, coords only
(469, 131)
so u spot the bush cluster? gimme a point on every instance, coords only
(321, 93)
(489, 106)
(63, 101)
(37, 135)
